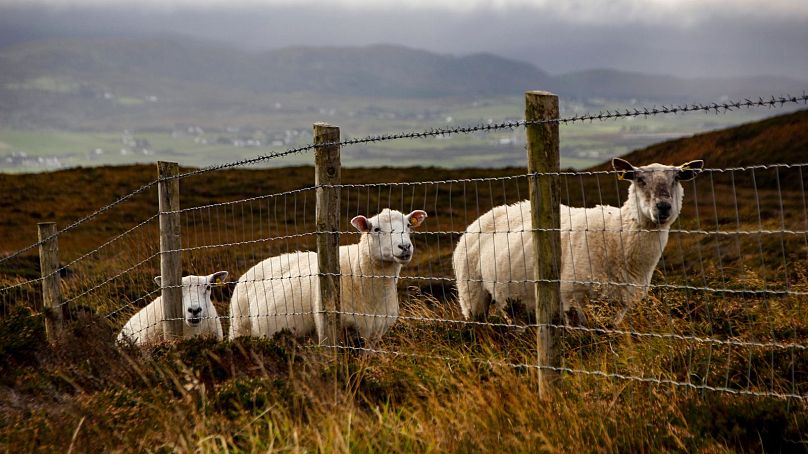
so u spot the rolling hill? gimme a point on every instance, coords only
(149, 63)
(153, 64)
(782, 139)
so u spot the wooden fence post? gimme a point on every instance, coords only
(168, 189)
(327, 172)
(51, 291)
(543, 157)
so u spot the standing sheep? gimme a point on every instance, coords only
(606, 252)
(281, 292)
(201, 318)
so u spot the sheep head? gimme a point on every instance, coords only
(388, 234)
(196, 295)
(655, 188)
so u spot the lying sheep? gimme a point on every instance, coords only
(606, 252)
(281, 292)
(200, 315)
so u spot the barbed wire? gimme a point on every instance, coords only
(434, 132)
(727, 106)
(83, 256)
(468, 181)
(77, 223)
(109, 279)
(132, 303)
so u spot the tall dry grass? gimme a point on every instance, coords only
(428, 386)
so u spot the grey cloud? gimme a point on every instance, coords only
(726, 44)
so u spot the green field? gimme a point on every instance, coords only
(582, 144)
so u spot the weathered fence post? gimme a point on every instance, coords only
(51, 291)
(168, 189)
(543, 157)
(327, 172)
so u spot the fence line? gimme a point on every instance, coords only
(766, 282)
(468, 180)
(110, 279)
(86, 254)
(82, 220)
(421, 183)
(644, 112)
(748, 103)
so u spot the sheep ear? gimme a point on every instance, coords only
(218, 278)
(361, 223)
(416, 218)
(689, 170)
(158, 280)
(625, 171)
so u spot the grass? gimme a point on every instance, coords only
(256, 395)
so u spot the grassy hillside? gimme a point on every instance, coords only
(433, 383)
(782, 139)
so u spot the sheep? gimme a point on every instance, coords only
(201, 319)
(282, 291)
(607, 252)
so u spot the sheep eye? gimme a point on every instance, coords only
(377, 229)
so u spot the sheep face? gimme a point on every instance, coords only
(655, 188)
(388, 234)
(196, 296)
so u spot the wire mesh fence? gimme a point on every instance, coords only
(724, 309)
(100, 270)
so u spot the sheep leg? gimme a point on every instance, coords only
(474, 300)
(239, 313)
(575, 306)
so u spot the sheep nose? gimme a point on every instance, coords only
(404, 247)
(663, 207)
(196, 311)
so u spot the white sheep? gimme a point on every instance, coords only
(201, 319)
(281, 292)
(607, 252)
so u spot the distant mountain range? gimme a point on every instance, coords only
(158, 64)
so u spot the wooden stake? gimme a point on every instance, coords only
(543, 157)
(327, 172)
(170, 256)
(51, 290)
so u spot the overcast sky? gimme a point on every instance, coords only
(678, 37)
